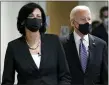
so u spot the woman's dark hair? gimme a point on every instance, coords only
(105, 8)
(24, 13)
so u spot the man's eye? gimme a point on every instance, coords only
(82, 19)
(89, 19)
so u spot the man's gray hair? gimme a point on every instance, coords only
(77, 8)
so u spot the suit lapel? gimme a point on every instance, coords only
(72, 45)
(92, 51)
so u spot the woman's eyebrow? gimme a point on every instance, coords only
(38, 14)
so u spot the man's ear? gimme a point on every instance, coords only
(75, 25)
(72, 23)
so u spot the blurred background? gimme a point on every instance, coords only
(57, 13)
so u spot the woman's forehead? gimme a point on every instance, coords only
(36, 11)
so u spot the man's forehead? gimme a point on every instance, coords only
(83, 14)
(82, 11)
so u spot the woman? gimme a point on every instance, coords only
(38, 58)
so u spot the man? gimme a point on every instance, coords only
(102, 30)
(86, 54)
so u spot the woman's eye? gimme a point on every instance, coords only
(39, 17)
(31, 16)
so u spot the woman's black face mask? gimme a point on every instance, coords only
(33, 24)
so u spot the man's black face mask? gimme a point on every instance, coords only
(85, 28)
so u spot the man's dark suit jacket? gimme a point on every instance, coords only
(96, 71)
(100, 32)
(53, 67)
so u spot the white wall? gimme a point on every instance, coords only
(94, 7)
(9, 13)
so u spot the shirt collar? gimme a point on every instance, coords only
(77, 37)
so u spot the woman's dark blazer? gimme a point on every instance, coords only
(53, 66)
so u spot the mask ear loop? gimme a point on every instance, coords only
(23, 23)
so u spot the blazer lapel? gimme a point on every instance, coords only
(92, 51)
(42, 51)
(28, 56)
